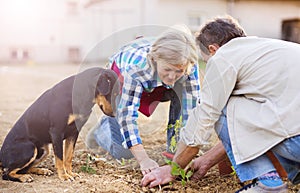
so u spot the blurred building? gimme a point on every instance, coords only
(72, 31)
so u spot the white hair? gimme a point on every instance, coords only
(175, 46)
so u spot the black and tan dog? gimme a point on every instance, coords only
(57, 115)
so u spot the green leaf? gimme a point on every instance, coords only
(175, 165)
(182, 173)
(183, 182)
(175, 171)
(189, 174)
(169, 162)
(233, 171)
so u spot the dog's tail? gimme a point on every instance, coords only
(0, 161)
(5, 174)
(1, 158)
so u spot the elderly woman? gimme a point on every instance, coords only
(151, 71)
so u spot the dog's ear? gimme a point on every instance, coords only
(104, 84)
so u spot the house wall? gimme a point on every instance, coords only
(46, 30)
(264, 18)
(170, 12)
(117, 22)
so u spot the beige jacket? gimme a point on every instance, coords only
(260, 80)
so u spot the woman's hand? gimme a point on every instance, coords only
(146, 164)
(161, 175)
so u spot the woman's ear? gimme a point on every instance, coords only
(213, 48)
(151, 61)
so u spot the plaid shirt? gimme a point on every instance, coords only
(138, 77)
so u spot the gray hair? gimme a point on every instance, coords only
(175, 46)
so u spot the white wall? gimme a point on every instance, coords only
(117, 21)
(45, 28)
(170, 12)
(264, 18)
(48, 30)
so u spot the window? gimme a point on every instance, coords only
(72, 8)
(194, 21)
(14, 54)
(74, 55)
(25, 54)
(290, 30)
(19, 54)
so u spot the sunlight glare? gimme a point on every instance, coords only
(21, 12)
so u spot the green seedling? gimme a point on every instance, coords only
(179, 172)
(123, 162)
(177, 126)
(87, 167)
(233, 171)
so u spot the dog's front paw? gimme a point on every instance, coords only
(26, 178)
(66, 177)
(74, 175)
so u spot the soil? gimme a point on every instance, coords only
(20, 85)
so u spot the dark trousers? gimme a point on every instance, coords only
(175, 97)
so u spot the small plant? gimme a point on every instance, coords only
(233, 171)
(123, 161)
(177, 126)
(87, 168)
(179, 172)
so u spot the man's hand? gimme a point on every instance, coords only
(202, 164)
(161, 175)
(200, 167)
(146, 164)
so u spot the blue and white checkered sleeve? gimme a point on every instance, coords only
(131, 60)
(128, 112)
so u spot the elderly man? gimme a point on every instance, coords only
(251, 97)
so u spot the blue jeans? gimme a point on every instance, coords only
(108, 135)
(287, 152)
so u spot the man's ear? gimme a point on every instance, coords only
(213, 48)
